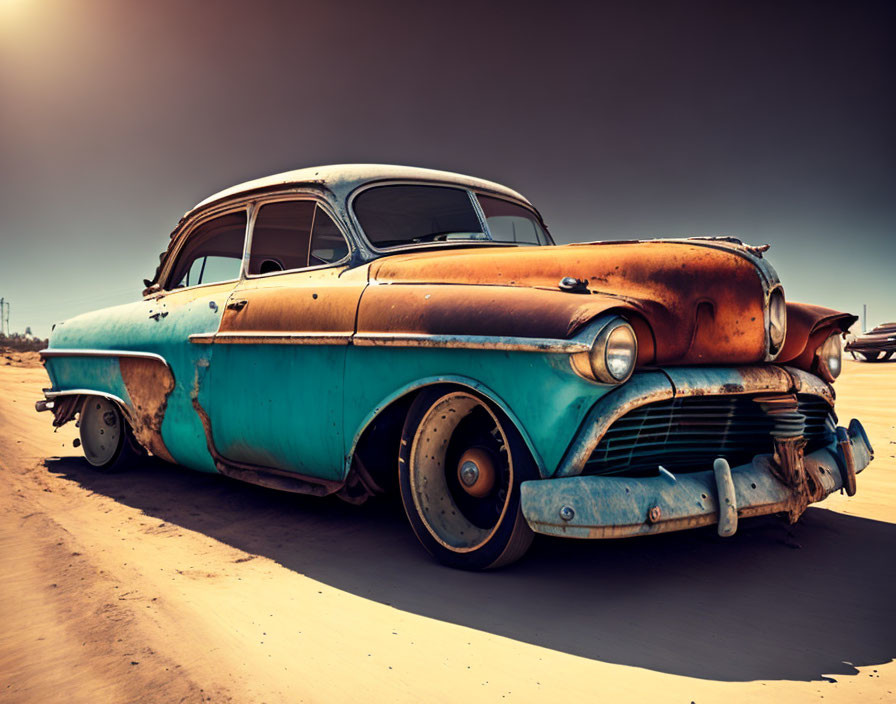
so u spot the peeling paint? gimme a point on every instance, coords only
(149, 383)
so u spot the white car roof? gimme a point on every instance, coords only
(342, 179)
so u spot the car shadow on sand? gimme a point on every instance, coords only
(773, 602)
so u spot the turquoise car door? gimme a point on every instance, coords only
(275, 381)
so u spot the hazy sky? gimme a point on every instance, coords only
(771, 121)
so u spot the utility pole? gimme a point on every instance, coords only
(1, 317)
(864, 317)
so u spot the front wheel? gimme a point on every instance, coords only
(106, 438)
(460, 466)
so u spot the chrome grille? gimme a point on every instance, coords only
(687, 434)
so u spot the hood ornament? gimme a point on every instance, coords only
(571, 284)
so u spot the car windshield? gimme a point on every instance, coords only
(401, 215)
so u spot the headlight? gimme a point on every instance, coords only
(777, 320)
(613, 355)
(829, 357)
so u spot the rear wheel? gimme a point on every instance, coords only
(887, 355)
(106, 438)
(461, 463)
(870, 356)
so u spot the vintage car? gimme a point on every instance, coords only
(875, 346)
(360, 329)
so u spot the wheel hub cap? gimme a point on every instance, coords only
(476, 472)
(100, 431)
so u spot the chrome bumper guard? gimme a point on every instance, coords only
(616, 507)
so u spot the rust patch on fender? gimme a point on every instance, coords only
(149, 383)
(808, 327)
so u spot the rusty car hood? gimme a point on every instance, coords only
(622, 267)
(690, 300)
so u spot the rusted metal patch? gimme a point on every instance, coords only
(806, 383)
(803, 478)
(311, 303)
(149, 383)
(705, 381)
(702, 305)
(807, 327)
(65, 408)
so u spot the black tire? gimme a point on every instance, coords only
(887, 355)
(458, 529)
(870, 356)
(106, 438)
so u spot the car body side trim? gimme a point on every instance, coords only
(473, 342)
(73, 352)
(272, 338)
(84, 392)
(483, 342)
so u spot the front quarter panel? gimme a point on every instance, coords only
(539, 391)
(160, 327)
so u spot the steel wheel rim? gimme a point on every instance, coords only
(100, 426)
(429, 473)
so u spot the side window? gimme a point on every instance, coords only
(213, 252)
(281, 236)
(327, 243)
(508, 222)
(293, 235)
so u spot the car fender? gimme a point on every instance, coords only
(456, 380)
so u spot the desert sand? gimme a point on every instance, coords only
(164, 585)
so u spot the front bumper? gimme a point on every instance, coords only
(616, 507)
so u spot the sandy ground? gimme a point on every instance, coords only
(168, 586)
(18, 358)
